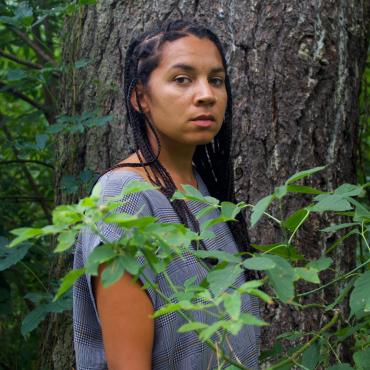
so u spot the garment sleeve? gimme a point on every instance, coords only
(111, 186)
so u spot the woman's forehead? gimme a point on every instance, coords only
(191, 52)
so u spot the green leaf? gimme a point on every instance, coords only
(349, 190)
(205, 211)
(22, 15)
(24, 233)
(303, 174)
(292, 222)
(41, 141)
(283, 250)
(221, 279)
(259, 263)
(220, 255)
(174, 307)
(190, 326)
(130, 264)
(9, 257)
(250, 285)
(260, 208)
(33, 319)
(308, 274)
(362, 359)
(280, 191)
(249, 319)
(343, 366)
(334, 228)
(65, 240)
(361, 211)
(68, 281)
(191, 193)
(232, 304)
(321, 264)
(360, 298)
(330, 202)
(100, 254)
(136, 186)
(282, 278)
(260, 294)
(233, 327)
(229, 210)
(113, 271)
(126, 220)
(16, 74)
(206, 333)
(303, 189)
(311, 356)
(66, 215)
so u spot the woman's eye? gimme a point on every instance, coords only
(217, 81)
(182, 80)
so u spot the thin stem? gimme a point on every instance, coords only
(232, 349)
(332, 349)
(34, 275)
(189, 319)
(363, 235)
(294, 356)
(345, 276)
(298, 226)
(27, 161)
(266, 214)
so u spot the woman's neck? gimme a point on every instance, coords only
(178, 161)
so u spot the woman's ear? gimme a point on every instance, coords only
(138, 98)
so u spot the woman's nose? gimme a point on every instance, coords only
(204, 93)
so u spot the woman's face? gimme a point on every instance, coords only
(186, 97)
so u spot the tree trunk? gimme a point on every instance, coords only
(295, 70)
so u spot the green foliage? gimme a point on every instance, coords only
(28, 128)
(159, 243)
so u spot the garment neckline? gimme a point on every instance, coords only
(201, 185)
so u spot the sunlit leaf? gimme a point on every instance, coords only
(259, 263)
(303, 174)
(68, 281)
(9, 257)
(260, 208)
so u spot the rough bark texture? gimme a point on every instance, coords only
(295, 68)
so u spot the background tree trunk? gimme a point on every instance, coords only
(295, 69)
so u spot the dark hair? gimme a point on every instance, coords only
(213, 160)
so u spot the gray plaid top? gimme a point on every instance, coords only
(171, 350)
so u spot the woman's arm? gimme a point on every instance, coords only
(124, 311)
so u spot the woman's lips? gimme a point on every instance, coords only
(203, 122)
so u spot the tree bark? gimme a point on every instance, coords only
(295, 70)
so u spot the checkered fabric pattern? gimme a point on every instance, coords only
(171, 350)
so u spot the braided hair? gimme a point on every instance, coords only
(213, 160)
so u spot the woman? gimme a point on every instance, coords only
(179, 106)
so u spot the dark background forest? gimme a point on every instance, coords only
(305, 67)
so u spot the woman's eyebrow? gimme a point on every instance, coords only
(189, 68)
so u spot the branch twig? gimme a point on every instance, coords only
(24, 197)
(21, 61)
(36, 48)
(297, 353)
(38, 194)
(27, 161)
(22, 96)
